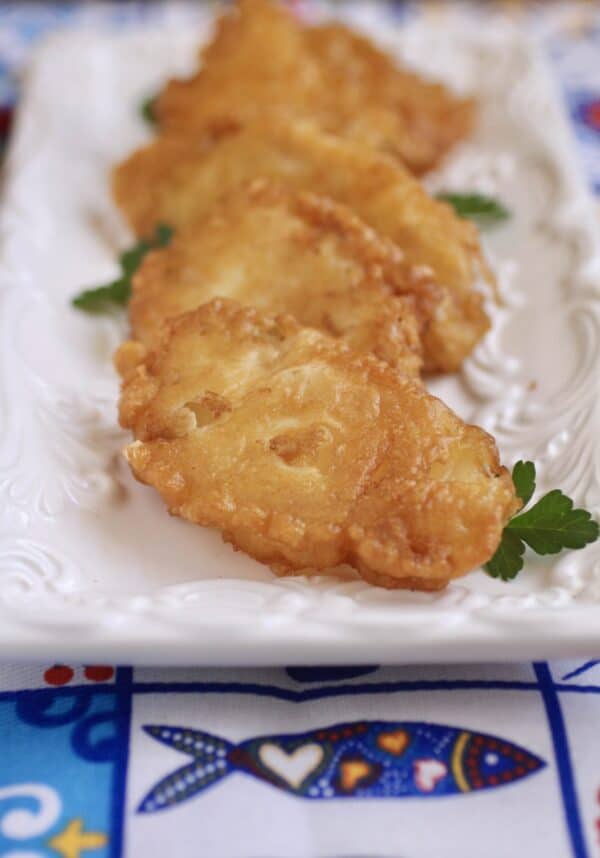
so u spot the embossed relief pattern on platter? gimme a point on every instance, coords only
(81, 438)
(556, 431)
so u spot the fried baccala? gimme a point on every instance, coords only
(257, 62)
(178, 179)
(369, 98)
(308, 455)
(262, 59)
(288, 252)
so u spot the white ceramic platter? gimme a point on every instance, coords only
(91, 566)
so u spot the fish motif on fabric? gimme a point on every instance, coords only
(363, 759)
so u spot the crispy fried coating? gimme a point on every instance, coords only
(261, 59)
(369, 98)
(307, 455)
(258, 61)
(288, 252)
(177, 179)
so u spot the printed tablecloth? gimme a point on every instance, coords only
(365, 762)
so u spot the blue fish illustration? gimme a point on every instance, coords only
(363, 759)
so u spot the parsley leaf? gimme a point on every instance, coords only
(552, 524)
(549, 526)
(98, 300)
(118, 291)
(507, 562)
(523, 476)
(486, 210)
(147, 110)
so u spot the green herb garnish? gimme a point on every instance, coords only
(147, 110)
(485, 210)
(547, 527)
(119, 291)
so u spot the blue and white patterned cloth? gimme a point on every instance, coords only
(407, 762)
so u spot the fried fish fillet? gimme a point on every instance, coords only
(369, 98)
(258, 61)
(307, 455)
(177, 179)
(288, 252)
(261, 59)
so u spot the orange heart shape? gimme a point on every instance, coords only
(351, 772)
(394, 743)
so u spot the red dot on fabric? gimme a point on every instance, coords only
(99, 673)
(58, 674)
(592, 114)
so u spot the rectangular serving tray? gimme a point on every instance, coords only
(91, 566)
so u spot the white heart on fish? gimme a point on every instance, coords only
(293, 767)
(428, 773)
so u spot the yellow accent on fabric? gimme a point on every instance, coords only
(456, 762)
(394, 743)
(72, 840)
(352, 772)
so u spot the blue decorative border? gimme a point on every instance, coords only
(123, 690)
(560, 742)
(307, 694)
